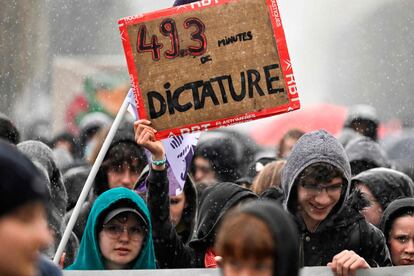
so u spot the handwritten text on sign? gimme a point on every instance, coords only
(196, 66)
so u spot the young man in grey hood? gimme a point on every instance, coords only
(316, 183)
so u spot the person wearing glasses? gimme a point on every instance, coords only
(118, 234)
(316, 184)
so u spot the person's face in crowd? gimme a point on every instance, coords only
(316, 200)
(287, 147)
(66, 145)
(401, 241)
(121, 241)
(203, 172)
(122, 177)
(177, 205)
(251, 267)
(374, 212)
(23, 234)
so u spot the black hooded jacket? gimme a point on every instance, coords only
(284, 234)
(344, 228)
(394, 211)
(223, 155)
(170, 249)
(367, 153)
(386, 184)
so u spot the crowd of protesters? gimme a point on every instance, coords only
(344, 202)
(318, 200)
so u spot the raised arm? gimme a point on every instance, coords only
(170, 251)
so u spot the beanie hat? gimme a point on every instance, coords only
(20, 180)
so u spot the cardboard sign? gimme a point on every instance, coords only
(208, 64)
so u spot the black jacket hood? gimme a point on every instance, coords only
(284, 234)
(188, 218)
(223, 155)
(393, 211)
(216, 200)
(386, 184)
(315, 147)
(365, 149)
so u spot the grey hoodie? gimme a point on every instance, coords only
(311, 148)
(344, 228)
(42, 157)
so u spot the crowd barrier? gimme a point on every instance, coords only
(307, 271)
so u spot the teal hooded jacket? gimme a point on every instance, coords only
(89, 256)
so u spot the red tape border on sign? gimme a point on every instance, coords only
(282, 49)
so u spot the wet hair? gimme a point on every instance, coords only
(269, 176)
(244, 236)
(125, 153)
(319, 172)
(406, 211)
(117, 156)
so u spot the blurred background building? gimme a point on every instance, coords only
(61, 59)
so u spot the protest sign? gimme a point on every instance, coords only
(208, 64)
(179, 151)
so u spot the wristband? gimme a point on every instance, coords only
(159, 162)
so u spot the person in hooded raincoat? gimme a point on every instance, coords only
(105, 247)
(42, 157)
(381, 186)
(258, 239)
(171, 251)
(316, 182)
(364, 154)
(215, 160)
(397, 224)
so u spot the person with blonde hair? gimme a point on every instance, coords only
(269, 176)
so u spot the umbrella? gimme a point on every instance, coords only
(313, 117)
